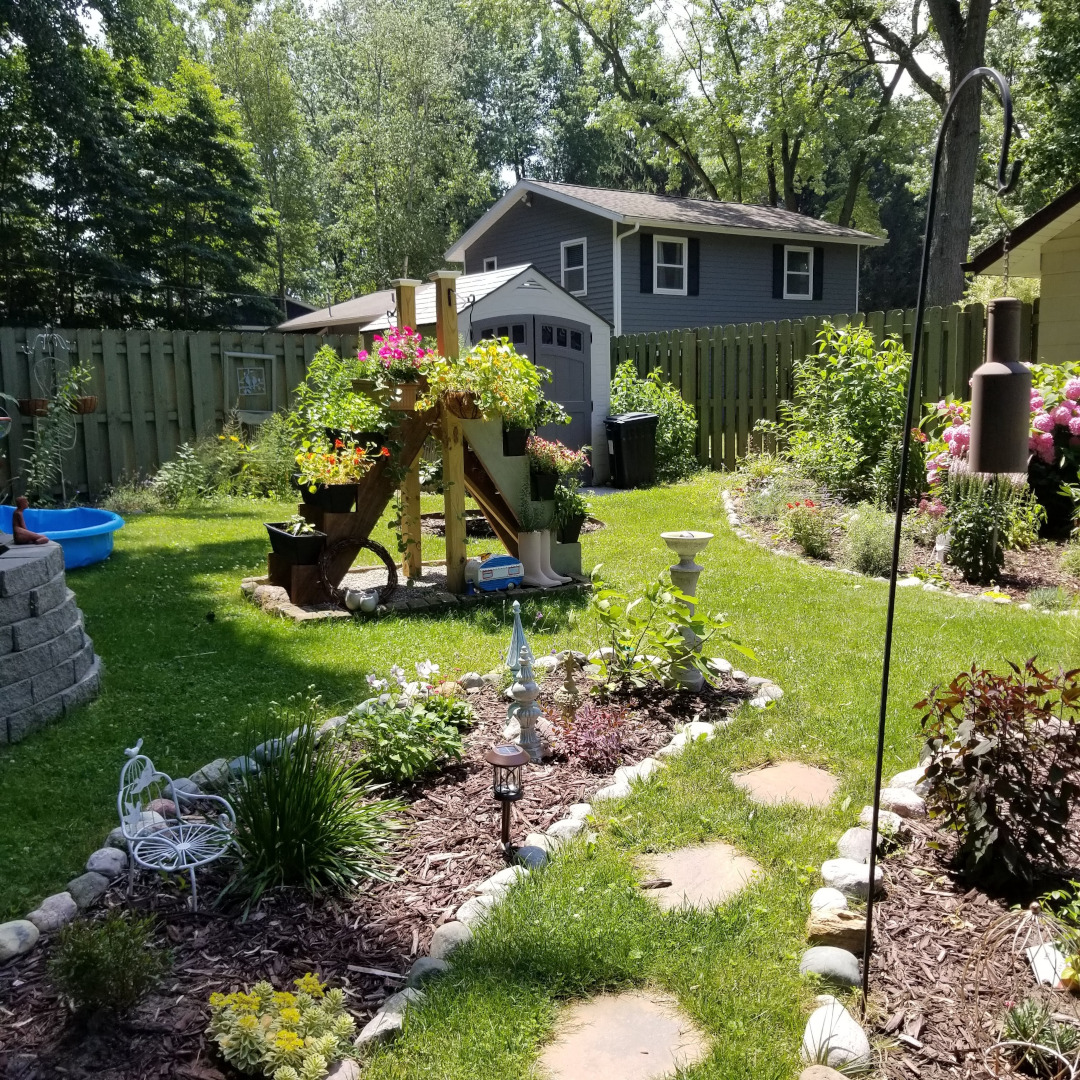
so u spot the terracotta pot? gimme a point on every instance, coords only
(86, 404)
(515, 441)
(402, 397)
(542, 485)
(34, 406)
(462, 404)
(571, 530)
(302, 550)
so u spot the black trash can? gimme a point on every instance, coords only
(631, 442)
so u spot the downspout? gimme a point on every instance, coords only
(616, 273)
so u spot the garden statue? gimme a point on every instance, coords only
(19, 530)
(526, 711)
(568, 697)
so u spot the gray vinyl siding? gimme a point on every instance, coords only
(736, 285)
(533, 234)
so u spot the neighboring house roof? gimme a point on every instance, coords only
(660, 211)
(1026, 240)
(358, 311)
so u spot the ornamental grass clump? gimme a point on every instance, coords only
(285, 1036)
(1002, 759)
(305, 816)
(808, 525)
(868, 541)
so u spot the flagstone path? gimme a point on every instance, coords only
(788, 781)
(701, 877)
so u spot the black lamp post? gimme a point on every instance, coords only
(507, 782)
(999, 440)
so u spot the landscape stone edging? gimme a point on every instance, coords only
(831, 1029)
(902, 583)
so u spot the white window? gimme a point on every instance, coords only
(798, 273)
(491, 263)
(575, 267)
(669, 265)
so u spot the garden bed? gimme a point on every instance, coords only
(365, 944)
(931, 954)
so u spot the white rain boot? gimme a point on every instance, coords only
(529, 557)
(545, 559)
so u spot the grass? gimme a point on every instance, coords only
(186, 684)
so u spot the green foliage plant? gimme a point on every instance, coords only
(1042, 1044)
(402, 741)
(1070, 559)
(981, 513)
(868, 541)
(280, 1034)
(648, 639)
(810, 526)
(1050, 598)
(1002, 754)
(305, 817)
(569, 503)
(108, 965)
(676, 427)
(326, 399)
(842, 428)
(924, 522)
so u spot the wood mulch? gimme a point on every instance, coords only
(365, 943)
(944, 968)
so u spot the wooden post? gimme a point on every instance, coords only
(453, 438)
(412, 555)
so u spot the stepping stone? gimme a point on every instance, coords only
(788, 781)
(634, 1036)
(701, 877)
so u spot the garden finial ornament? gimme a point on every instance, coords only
(525, 692)
(19, 530)
(517, 642)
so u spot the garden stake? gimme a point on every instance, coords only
(1005, 184)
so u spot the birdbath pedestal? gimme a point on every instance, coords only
(684, 576)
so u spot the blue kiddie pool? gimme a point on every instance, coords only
(85, 533)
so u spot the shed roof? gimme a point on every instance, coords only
(643, 208)
(358, 311)
(1026, 240)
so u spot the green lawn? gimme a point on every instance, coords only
(185, 684)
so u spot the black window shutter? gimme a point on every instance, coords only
(778, 271)
(693, 265)
(819, 272)
(646, 262)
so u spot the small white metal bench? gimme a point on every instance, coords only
(169, 842)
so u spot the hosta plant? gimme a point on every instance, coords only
(285, 1036)
(1002, 756)
(401, 742)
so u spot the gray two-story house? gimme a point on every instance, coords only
(660, 262)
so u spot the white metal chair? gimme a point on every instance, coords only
(169, 842)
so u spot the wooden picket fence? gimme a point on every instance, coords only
(156, 389)
(738, 374)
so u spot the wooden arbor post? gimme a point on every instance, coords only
(411, 557)
(453, 438)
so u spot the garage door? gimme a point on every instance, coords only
(565, 349)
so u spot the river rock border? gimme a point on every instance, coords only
(910, 582)
(833, 1039)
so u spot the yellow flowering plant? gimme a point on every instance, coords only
(282, 1035)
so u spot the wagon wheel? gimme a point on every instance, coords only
(330, 554)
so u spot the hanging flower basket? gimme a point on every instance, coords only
(462, 404)
(515, 440)
(34, 406)
(402, 396)
(300, 550)
(87, 403)
(332, 498)
(542, 485)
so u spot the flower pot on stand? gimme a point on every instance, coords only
(402, 396)
(515, 440)
(332, 498)
(370, 440)
(85, 404)
(570, 531)
(542, 485)
(301, 550)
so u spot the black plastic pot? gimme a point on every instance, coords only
(302, 550)
(515, 440)
(333, 498)
(370, 440)
(569, 533)
(542, 485)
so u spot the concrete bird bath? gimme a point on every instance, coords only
(684, 576)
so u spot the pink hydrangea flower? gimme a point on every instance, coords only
(1044, 446)
(1037, 402)
(1074, 425)
(1062, 414)
(1043, 422)
(1072, 389)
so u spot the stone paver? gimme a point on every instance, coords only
(635, 1036)
(701, 877)
(788, 781)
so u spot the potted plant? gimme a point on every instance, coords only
(549, 460)
(325, 404)
(571, 510)
(328, 476)
(393, 371)
(296, 541)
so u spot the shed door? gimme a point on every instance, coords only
(565, 349)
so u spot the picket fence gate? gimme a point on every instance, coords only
(738, 374)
